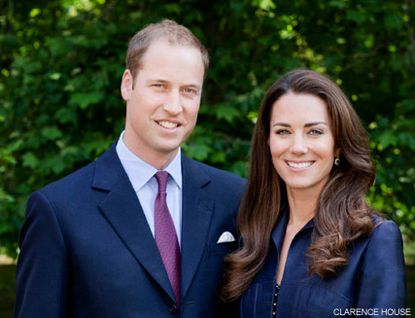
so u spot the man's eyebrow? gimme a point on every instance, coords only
(160, 80)
(192, 85)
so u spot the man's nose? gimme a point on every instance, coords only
(173, 105)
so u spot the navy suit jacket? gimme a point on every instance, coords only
(87, 250)
(371, 284)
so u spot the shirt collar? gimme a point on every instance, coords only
(175, 169)
(278, 232)
(140, 172)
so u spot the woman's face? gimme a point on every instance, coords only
(301, 141)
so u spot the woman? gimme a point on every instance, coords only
(312, 247)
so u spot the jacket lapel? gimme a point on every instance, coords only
(197, 210)
(123, 211)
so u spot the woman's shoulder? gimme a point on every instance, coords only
(385, 235)
(384, 226)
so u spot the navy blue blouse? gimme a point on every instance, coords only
(372, 283)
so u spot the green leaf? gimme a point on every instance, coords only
(30, 160)
(226, 112)
(357, 16)
(197, 151)
(51, 133)
(66, 115)
(84, 100)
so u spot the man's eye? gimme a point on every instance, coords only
(191, 91)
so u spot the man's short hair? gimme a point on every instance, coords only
(168, 30)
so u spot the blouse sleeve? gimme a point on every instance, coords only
(382, 283)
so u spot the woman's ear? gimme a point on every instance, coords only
(337, 152)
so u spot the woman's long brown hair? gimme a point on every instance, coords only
(342, 214)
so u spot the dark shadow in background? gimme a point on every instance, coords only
(7, 273)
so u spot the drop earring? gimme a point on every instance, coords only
(337, 161)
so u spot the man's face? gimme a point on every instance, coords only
(163, 102)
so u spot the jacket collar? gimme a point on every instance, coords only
(197, 210)
(123, 211)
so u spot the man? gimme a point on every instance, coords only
(118, 238)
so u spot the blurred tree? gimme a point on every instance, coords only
(61, 63)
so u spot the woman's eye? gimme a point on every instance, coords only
(316, 132)
(282, 132)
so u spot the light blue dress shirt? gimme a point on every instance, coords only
(141, 175)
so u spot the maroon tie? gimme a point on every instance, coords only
(165, 234)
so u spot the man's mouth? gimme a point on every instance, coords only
(167, 124)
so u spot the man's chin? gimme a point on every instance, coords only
(169, 150)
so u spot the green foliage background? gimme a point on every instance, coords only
(61, 62)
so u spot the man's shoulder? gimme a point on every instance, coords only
(79, 179)
(72, 181)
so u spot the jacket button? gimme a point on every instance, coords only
(173, 309)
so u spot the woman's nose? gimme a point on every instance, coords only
(299, 145)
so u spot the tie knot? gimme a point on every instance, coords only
(161, 177)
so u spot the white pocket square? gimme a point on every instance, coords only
(226, 237)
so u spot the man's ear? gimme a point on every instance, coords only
(126, 85)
